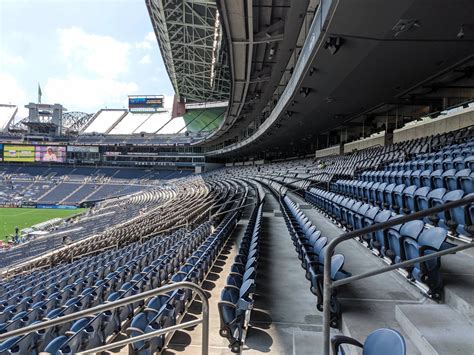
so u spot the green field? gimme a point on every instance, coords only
(27, 217)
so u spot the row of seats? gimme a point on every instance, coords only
(449, 179)
(403, 242)
(311, 248)
(236, 300)
(166, 310)
(457, 156)
(404, 199)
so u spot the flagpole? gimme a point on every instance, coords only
(39, 93)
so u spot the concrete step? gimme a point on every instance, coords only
(436, 329)
(460, 296)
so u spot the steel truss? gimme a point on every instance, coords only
(189, 34)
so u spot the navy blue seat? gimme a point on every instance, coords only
(378, 238)
(407, 179)
(464, 181)
(425, 178)
(397, 193)
(458, 163)
(396, 235)
(458, 219)
(408, 198)
(436, 180)
(445, 219)
(427, 272)
(382, 341)
(317, 286)
(426, 202)
(388, 200)
(412, 200)
(416, 178)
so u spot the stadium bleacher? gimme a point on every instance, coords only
(308, 190)
(385, 185)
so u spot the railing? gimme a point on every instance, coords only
(125, 301)
(329, 284)
(305, 178)
(358, 170)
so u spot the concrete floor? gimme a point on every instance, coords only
(285, 311)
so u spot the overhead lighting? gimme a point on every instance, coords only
(333, 44)
(405, 25)
(215, 44)
(460, 34)
(305, 91)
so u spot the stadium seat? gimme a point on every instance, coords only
(382, 341)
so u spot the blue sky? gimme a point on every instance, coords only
(86, 54)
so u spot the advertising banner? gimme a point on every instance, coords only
(19, 153)
(82, 149)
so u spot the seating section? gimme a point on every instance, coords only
(404, 191)
(107, 222)
(141, 235)
(83, 284)
(236, 302)
(167, 310)
(399, 243)
(73, 186)
(311, 247)
(109, 276)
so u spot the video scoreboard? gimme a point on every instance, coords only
(145, 103)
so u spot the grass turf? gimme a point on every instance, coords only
(27, 217)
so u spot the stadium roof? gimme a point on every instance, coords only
(189, 34)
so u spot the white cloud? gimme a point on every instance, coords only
(101, 55)
(148, 42)
(145, 60)
(150, 37)
(143, 45)
(11, 59)
(11, 91)
(77, 93)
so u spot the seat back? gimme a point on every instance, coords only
(384, 341)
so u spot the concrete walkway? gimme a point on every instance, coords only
(285, 319)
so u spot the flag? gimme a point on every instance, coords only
(40, 93)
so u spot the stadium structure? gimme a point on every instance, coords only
(308, 190)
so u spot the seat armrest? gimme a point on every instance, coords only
(338, 340)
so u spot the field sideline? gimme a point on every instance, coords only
(26, 217)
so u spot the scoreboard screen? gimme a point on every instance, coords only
(145, 103)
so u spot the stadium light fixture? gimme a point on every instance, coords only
(217, 30)
(333, 44)
(305, 91)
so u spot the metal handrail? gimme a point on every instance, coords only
(283, 184)
(329, 284)
(125, 301)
